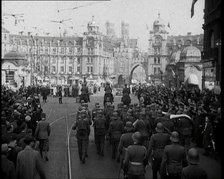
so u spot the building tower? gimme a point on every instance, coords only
(157, 59)
(110, 29)
(125, 32)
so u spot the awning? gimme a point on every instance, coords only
(192, 79)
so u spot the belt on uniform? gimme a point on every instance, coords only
(136, 163)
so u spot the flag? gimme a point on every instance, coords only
(192, 7)
(168, 25)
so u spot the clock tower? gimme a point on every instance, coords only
(92, 45)
(157, 59)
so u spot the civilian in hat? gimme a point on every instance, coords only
(42, 134)
(7, 167)
(29, 164)
(135, 158)
(174, 158)
(157, 144)
(14, 149)
(193, 170)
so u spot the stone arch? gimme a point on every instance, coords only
(133, 68)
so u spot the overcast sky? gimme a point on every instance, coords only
(137, 13)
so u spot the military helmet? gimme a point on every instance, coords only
(193, 156)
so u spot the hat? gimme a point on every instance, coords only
(4, 148)
(136, 137)
(129, 126)
(159, 127)
(174, 136)
(43, 115)
(28, 118)
(193, 156)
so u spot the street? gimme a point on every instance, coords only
(62, 117)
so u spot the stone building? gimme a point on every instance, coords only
(211, 55)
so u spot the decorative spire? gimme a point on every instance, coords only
(158, 15)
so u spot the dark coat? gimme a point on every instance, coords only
(174, 159)
(157, 144)
(138, 155)
(29, 165)
(115, 129)
(7, 168)
(193, 172)
(43, 130)
(125, 141)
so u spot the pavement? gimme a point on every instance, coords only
(61, 118)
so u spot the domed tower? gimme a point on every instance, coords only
(190, 67)
(157, 50)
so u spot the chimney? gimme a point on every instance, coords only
(189, 33)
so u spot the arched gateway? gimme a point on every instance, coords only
(136, 65)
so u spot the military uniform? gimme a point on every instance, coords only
(100, 132)
(157, 144)
(135, 161)
(115, 130)
(174, 158)
(83, 130)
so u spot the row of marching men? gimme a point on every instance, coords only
(135, 146)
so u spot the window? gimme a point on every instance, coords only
(212, 40)
(53, 60)
(159, 71)
(79, 60)
(154, 60)
(53, 69)
(62, 50)
(70, 68)
(54, 50)
(62, 60)
(62, 69)
(91, 69)
(154, 70)
(91, 60)
(88, 61)
(78, 69)
(158, 60)
(70, 49)
(70, 60)
(46, 50)
(88, 69)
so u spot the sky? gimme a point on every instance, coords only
(138, 13)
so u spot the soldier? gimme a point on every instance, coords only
(193, 170)
(88, 119)
(125, 141)
(174, 158)
(60, 96)
(135, 159)
(100, 132)
(157, 144)
(83, 130)
(115, 131)
(143, 127)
